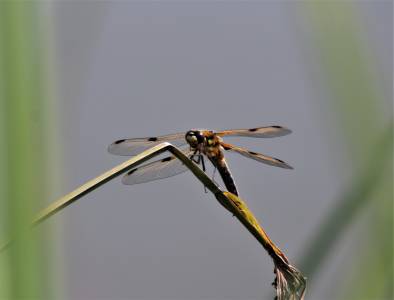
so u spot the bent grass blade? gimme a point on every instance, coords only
(289, 282)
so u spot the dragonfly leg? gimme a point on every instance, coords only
(197, 158)
(202, 162)
(193, 157)
(203, 168)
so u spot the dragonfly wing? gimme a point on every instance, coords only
(257, 156)
(163, 168)
(259, 132)
(130, 147)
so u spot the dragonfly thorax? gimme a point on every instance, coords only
(205, 141)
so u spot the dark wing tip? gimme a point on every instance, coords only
(132, 171)
(112, 146)
(278, 130)
(284, 130)
(126, 176)
(169, 158)
(283, 164)
(286, 165)
(119, 141)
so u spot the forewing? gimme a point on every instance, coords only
(257, 156)
(259, 132)
(163, 168)
(130, 147)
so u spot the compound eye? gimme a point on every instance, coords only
(191, 138)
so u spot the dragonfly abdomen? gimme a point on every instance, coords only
(225, 173)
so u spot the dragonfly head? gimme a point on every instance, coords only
(194, 138)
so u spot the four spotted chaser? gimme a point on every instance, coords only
(200, 143)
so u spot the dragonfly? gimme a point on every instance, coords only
(199, 143)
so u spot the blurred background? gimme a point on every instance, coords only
(75, 76)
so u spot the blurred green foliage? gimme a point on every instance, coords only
(24, 126)
(357, 108)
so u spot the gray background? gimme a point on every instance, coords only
(134, 69)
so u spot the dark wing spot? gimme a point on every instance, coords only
(119, 141)
(253, 153)
(226, 148)
(280, 160)
(276, 126)
(167, 159)
(132, 171)
(253, 129)
(152, 139)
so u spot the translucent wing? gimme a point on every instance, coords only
(130, 147)
(257, 156)
(259, 132)
(163, 168)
